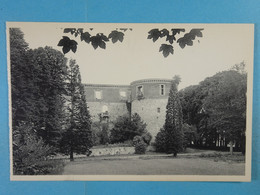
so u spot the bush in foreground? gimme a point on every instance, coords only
(139, 144)
(30, 153)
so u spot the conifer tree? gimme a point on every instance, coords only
(77, 136)
(48, 76)
(173, 121)
(37, 79)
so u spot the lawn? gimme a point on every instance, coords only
(157, 165)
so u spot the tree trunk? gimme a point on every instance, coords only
(71, 154)
(231, 147)
(175, 154)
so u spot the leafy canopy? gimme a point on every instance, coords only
(97, 41)
(170, 35)
(100, 39)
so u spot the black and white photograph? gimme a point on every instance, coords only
(130, 102)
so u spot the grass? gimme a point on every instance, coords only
(154, 166)
(225, 157)
(54, 167)
(46, 167)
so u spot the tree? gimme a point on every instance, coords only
(217, 108)
(192, 98)
(190, 134)
(20, 84)
(48, 74)
(37, 79)
(127, 128)
(100, 39)
(226, 105)
(173, 121)
(104, 138)
(77, 137)
(160, 141)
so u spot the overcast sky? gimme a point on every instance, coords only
(221, 46)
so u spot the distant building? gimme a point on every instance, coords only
(147, 97)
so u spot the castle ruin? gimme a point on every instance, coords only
(147, 97)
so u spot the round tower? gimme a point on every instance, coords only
(149, 99)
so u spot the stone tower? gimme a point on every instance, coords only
(149, 98)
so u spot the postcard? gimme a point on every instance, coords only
(130, 102)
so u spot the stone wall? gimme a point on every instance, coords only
(151, 88)
(109, 93)
(152, 112)
(114, 110)
(112, 151)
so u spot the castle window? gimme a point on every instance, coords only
(158, 110)
(104, 108)
(98, 95)
(140, 91)
(122, 94)
(162, 89)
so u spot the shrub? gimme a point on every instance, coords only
(139, 144)
(160, 141)
(140, 148)
(30, 153)
(104, 138)
(147, 137)
(137, 139)
(126, 128)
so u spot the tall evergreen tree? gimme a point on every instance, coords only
(77, 137)
(173, 121)
(48, 75)
(20, 85)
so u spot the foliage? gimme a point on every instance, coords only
(226, 105)
(160, 141)
(67, 45)
(127, 128)
(37, 79)
(19, 70)
(217, 107)
(48, 73)
(117, 35)
(30, 153)
(190, 134)
(147, 137)
(173, 122)
(104, 138)
(78, 136)
(139, 144)
(98, 40)
(170, 35)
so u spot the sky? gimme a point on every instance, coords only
(221, 47)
